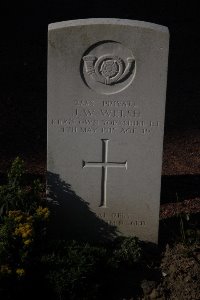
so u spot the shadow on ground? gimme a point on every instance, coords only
(71, 216)
(179, 188)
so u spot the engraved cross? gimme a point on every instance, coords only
(104, 165)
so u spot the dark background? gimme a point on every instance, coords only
(23, 62)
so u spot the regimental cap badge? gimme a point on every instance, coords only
(108, 69)
(110, 72)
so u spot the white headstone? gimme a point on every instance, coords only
(106, 103)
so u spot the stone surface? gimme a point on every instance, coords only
(106, 103)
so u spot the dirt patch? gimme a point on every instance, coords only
(179, 270)
(180, 267)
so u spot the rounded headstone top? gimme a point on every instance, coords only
(107, 21)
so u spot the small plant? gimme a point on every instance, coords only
(76, 270)
(129, 251)
(23, 216)
(72, 268)
(15, 195)
(188, 229)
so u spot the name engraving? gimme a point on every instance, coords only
(111, 117)
(106, 113)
